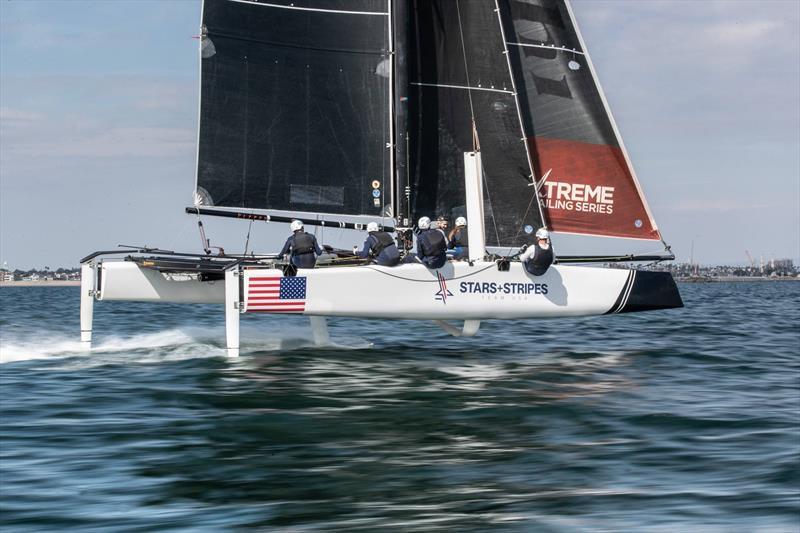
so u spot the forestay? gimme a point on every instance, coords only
(294, 112)
(586, 182)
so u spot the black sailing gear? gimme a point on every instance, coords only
(303, 247)
(381, 248)
(537, 259)
(432, 248)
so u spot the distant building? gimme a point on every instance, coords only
(5, 275)
(784, 264)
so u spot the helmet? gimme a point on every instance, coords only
(296, 225)
(424, 223)
(372, 226)
(542, 233)
(461, 221)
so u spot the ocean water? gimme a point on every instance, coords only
(679, 420)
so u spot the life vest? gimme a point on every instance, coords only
(302, 243)
(433, 242)
(384, 240)
(540, 261)
(461, 238)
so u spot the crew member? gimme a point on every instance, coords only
(380, 247)
(458, 241)
(538, 257)
(301, 246)
(442, 223)
(431, 244)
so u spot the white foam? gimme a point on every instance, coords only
(168, 345)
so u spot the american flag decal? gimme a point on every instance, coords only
(275, 294)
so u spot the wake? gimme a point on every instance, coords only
(168, 345)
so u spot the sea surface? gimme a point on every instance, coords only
(678, 420)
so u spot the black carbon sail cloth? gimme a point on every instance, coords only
(294, 112)
(457, 68)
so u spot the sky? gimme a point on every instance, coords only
(98, 126)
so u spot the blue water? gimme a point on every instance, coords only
(679, 420)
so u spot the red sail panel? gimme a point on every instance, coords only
(589, 190)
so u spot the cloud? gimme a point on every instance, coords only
(740, 33)
(113, 142)
(713, 206)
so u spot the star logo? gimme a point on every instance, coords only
(443, 293)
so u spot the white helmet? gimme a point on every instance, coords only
(296, 225)
(424, 223)
(461, 221)
(542, 233)
(372, 226)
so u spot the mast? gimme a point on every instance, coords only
(398, 31)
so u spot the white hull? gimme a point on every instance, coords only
(457, 291)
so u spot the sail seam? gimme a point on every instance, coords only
(547, 47)
(465, 87)
(289, 45)
(297, 8)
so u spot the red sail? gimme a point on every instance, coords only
(588, 189)
(585, 182)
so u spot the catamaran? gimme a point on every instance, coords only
(344, 112)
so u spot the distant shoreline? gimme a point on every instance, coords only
(42, 283)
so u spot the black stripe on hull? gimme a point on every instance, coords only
(647, 291)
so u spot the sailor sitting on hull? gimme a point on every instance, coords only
(379, 247)
(431, 245)
(458, 240)
(538, 257)
(302, 247)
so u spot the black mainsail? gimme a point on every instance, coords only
(294, 112)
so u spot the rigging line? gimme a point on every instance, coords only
(491, 206)
(336, 11)
(466, 68)
(527, 210)
(180, 234)
(247, 241)
(431, 280)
